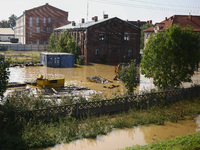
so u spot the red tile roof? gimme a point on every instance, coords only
(183, 20)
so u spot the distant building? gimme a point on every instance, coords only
(106, 40)
(6, 34)
(182, 20)
(139, 23)
(35, 26)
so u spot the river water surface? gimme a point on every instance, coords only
(122, 138)
(77, 76)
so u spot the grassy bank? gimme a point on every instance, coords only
(189, 142)
(21, 57)
(19, 134)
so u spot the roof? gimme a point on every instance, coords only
(183, 20)
(49, 53)
(6, 31)
(47, 5)
(87, 24)
(138, 24)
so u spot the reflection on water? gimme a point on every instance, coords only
(77, 76)
(122, 138)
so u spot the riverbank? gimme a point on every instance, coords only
(188, 142)
(19, 134)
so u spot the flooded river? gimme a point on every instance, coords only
(77, 76)
(119, 139)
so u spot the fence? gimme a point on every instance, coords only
(113, 105)
(23, 47)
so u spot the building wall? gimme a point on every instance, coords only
(146, 37)
(112, 47)
(39, 24)
(113, 41)
(19, 29)
(6, 38)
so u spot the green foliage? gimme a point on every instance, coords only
(130, 77)
(4, 75)
(171, 57)
(188, 142)
(52, 44)
(12, 20)
(143, 27)
(65, 43)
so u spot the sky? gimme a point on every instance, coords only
(132, 10)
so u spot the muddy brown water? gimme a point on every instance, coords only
(77, 76)
(119, 139)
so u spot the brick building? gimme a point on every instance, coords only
(35, 26)
(182, 20)
(106, 40)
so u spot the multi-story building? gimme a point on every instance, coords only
(106, 40)
(35, 26)
(182, 20)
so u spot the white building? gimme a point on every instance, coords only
(6, 34)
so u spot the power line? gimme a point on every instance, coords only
(147, 7)
(181, 6)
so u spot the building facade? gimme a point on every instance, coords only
(35, 26)
(6, 34)
(182, 20)
(106, 40)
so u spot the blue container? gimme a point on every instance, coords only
(57, 60)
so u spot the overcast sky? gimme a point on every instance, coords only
(155, 10)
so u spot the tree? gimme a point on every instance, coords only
(65, 43)
(52, 43)
(4, 75)
(130, 77)
(143, 27)
(4, 24)
(171, 57)
(12, 20)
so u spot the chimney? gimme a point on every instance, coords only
(105, 16)
(150, 21)
(190, 17)
(165, 18)
(82, 20)
(138, 21)
(95, 18)
(73, 23)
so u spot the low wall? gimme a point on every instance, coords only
(23, 47)
(113, 105)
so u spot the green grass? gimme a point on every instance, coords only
(62, 130)
(188, 142)
(21, 57)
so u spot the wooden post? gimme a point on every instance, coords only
(125, 104)
(103, 106)
(77, 110)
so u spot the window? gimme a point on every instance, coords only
(130, 53)
(30, 21)
(96, 52)
(30, 34)
(30, 42)
(48, 30)
(37, 20)
(101, 37)
(38, 29)
(44, 20)
(37, 41)
(49, 20)
(126, 36)
(45, 42)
